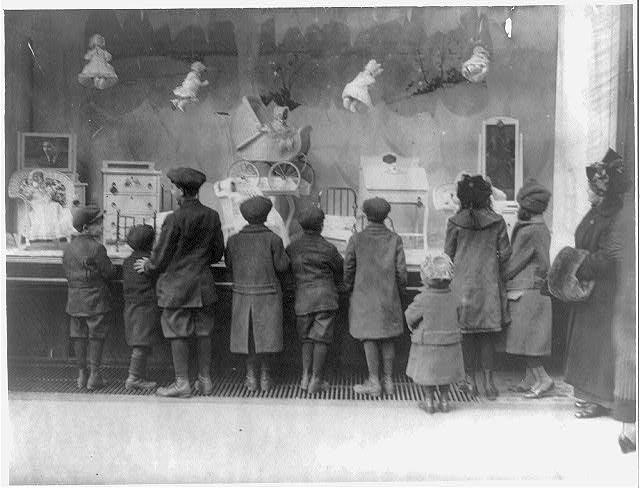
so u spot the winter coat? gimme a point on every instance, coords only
(257, 259)
(624, 319)
(435, 357)
(141, 313)
(88, 270)
(375, 272)
(190, 242)
(478, 244)
(530, 330)
(318, 273)
(590, 358)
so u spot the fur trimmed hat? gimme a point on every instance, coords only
(533, 197)
(141, 237)
(473, 191)
(188, 178)
(86, 215)
(311, 218)
(562, 281)
(376, 209)
(255, 209)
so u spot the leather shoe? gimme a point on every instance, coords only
(95, 380)
(82, 378)
(368, 388)
(179, 388)
(317, 385)
(540, 392)
(134, 383)
(427, 406)
(265, 380)
(626, 445)
(204, 385)
(591, 411)
(388, 386)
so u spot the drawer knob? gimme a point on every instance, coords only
(113, 204)
(150, 186)
(114, 188)
(149, 205)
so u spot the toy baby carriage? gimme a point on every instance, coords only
(261, 136)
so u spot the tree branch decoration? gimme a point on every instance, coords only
(284, 75)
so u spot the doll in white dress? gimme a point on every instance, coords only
(356, 93)
(98, 72)
(48, 218)
(187, 92)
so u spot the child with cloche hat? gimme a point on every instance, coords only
(375, 273)
(256, 258)
(141, 312)
(318, 273)
(435, 357)
(89, 271)
(529, 334)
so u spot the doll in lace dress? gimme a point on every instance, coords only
(187, 92)
(98, 72)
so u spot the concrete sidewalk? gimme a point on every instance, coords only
(62, 438)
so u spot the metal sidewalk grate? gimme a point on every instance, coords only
(226, 384)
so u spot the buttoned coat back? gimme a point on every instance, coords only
(318, 272)
(375, 272)
(478, 244)
(190, 242)
(88, 270)
(257, 259)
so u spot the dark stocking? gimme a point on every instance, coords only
(319, 356)
(204, 356)
(138, 364)
(80, 349)
(180, 354)
(307, 358)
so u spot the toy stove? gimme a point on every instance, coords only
(403, 183)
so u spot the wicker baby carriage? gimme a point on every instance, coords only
(262, 137)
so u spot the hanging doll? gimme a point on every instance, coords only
(357, 91)
(98, 72)
(187, 92)
(476, 68)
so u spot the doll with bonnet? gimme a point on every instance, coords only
(356, 92)
(97, 72)
(187, 92)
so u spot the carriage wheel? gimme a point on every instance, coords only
(306, 170)
(284, 176)
(245, 171)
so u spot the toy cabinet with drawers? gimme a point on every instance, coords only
(131, 196)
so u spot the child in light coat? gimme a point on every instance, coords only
(435, 358)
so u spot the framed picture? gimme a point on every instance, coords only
(47, 150)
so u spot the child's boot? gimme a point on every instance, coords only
(444, 402)
(489, 387)
(470, 383)
(265, 377)
(137, 367)
(95, 380)
(80, 349)
(179, 388)
(204, 385)
(388, 356)
(388, 385)
(370, 387)
(428, 405)
(251, 381)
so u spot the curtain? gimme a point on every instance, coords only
(586, 108)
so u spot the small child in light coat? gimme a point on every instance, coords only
(435, 358)
(141, 311)
(88, 270)
(187, 92)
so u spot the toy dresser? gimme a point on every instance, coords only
(131, 196)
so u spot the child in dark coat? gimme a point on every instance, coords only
(375, 272)
(190, 242)
(255, 256)
(435, 357)
(141, 312)
(317, 269)
(529, 335)
(88, 270)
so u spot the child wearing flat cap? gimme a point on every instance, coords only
(317, 270)
(141, 312)
(435, 357)
(190, 242)
(529, 335)
(375, 273)
(477, 242)
(256, 258)
(89, 271)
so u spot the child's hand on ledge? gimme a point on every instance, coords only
(139, 264)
